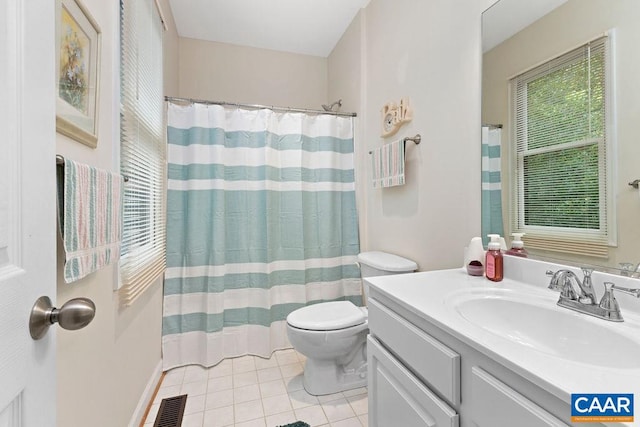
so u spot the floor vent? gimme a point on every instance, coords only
(171, 411)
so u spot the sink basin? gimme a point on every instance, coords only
(537, 323)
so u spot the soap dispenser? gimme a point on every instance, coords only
(493, 263)
(517, 246)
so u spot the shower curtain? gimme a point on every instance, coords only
(491, 183)
(261, 220)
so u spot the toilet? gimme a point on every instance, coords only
(333, 335)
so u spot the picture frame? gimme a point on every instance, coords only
(78, 39)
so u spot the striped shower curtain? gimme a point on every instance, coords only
(261, 220)
(491, 183)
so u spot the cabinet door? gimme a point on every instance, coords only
(495, 404)
(433, 362)
(398, 398)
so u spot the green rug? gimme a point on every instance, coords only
(296, 424)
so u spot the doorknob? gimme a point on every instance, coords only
(74, 314)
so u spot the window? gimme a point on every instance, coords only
(560, 112)
(142, 147)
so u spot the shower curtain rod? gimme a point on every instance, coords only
(271, 107)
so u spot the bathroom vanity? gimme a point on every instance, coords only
(448, 349)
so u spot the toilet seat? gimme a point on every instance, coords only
(327, 316)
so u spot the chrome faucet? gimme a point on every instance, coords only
(560, 280)
(584, 301)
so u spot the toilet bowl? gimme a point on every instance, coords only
(333, 335)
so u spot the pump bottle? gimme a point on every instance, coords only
(493, 261)
(517, 246)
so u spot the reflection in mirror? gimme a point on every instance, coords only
(520, 35)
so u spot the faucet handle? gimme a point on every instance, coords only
(609, 302)
(586, 281)
(553, 284)
(630, 291)
(586, 271)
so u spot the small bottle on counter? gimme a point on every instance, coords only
(493, 263)
(517, 246)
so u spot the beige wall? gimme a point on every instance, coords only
(225, 72)
(345, 66)
(104, 368)
(429, 52)
(569, 26)
(171, 52)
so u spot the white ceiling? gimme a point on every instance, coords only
(311, 27)
(507, 17)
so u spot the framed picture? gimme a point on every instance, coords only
(77, 72)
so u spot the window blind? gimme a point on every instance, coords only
(142, 145)
(560, 166)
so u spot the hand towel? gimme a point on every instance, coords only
(90, 218)
(388, 164)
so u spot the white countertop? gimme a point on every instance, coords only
(429, 295)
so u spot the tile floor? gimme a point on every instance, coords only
(255, 392)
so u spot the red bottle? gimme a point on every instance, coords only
(493, 261)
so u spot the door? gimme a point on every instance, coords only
(27, 209)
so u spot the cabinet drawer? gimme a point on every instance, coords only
(398, 398)
(433, 362)
(489, 393)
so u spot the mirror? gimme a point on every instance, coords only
(521, 34)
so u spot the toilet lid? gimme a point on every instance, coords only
(387, 262)
(327, 316)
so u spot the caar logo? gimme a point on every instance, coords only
(601, 407)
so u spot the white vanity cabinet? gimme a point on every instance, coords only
(421, 375)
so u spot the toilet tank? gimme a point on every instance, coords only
(377, 263)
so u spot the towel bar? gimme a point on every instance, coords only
(60, 162)
(416, 139)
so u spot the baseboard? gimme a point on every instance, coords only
(147, 396)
